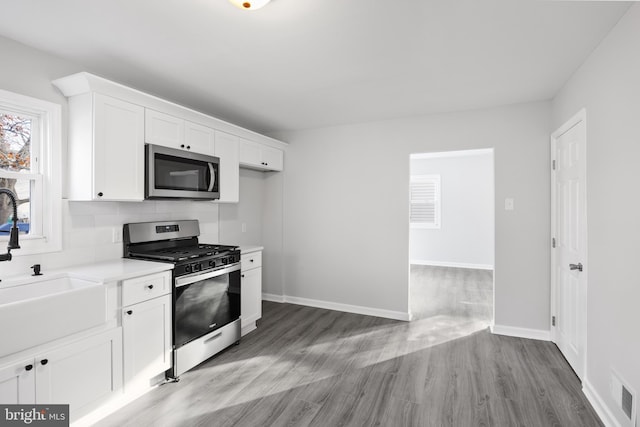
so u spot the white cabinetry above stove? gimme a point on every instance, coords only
(260, 157)
(110, 123)
(174, 132)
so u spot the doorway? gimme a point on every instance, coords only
(451, 238)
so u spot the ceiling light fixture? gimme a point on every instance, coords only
(249, 4)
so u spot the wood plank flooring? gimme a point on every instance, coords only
(312, 367)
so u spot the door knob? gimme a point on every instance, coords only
(577, 266)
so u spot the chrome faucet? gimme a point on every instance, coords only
(13, 236)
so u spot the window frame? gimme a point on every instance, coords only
(437, 202)
(45, 176)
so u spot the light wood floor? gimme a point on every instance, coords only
(313, 367)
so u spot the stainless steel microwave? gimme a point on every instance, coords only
(180, 174)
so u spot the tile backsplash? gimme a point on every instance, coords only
(90, 228)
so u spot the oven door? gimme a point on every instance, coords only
(171, 173)
(205, 302)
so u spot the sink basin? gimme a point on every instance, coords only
(34, 311)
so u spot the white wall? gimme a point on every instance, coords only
(346, 232)
(248, 211)
(465, 236)
(608, 86)
(87, 227)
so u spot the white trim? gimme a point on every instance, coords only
(50, 149)
(460, 153)
(607, 418)
(248, 328)
(272, 297)
(347, 308)
(451, 264)
(514, 331)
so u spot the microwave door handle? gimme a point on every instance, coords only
(212, 182)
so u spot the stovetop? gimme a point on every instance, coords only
(177, 254)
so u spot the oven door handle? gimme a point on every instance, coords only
(196, 277)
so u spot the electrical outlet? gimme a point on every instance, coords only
(244, 227)
(508, 204)
(116, 235)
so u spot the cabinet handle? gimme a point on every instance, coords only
(181, 145)
(242, 275)
(188, 147)
(251, 260)
(129, 312)
(44, 362)
(28, 367)
(150, 286)
(100, 194)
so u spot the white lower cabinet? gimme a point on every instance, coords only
(251, 290)
(147, 341)
(18, 382)
(82, 374)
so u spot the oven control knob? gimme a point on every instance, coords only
(197, 267)
(212, 263)
(187, 268)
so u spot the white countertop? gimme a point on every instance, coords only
(250, 249)
(118, 269)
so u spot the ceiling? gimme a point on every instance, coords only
(299, 64)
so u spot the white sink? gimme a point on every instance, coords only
(37, 310)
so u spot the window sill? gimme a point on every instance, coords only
(31, 245)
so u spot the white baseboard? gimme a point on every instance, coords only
(451, 264)
(607, 418)
(513, 331)
(248, 328)
(347, 308)
(272, 297)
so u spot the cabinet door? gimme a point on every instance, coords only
(83, 374)
(272, 158)
(198, 138)
(118, 157)
(17, 383)
(147, 340)
(251, 296)
(250, 153)
(163, 129)
(226, 147)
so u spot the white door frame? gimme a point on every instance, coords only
(581, 116)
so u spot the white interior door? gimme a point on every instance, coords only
(569, 231)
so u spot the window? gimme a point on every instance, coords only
(30, 167)
(425, 201)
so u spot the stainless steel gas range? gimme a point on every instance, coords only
(206, 287)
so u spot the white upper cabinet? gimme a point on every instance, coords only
(106, 149)
(226, 148)
(110, 124)
(198, 138)
(174, 132)
(163, 129)
(261, 157)
(273, 158)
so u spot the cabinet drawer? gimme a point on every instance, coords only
(146, 287)
(251, 260)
